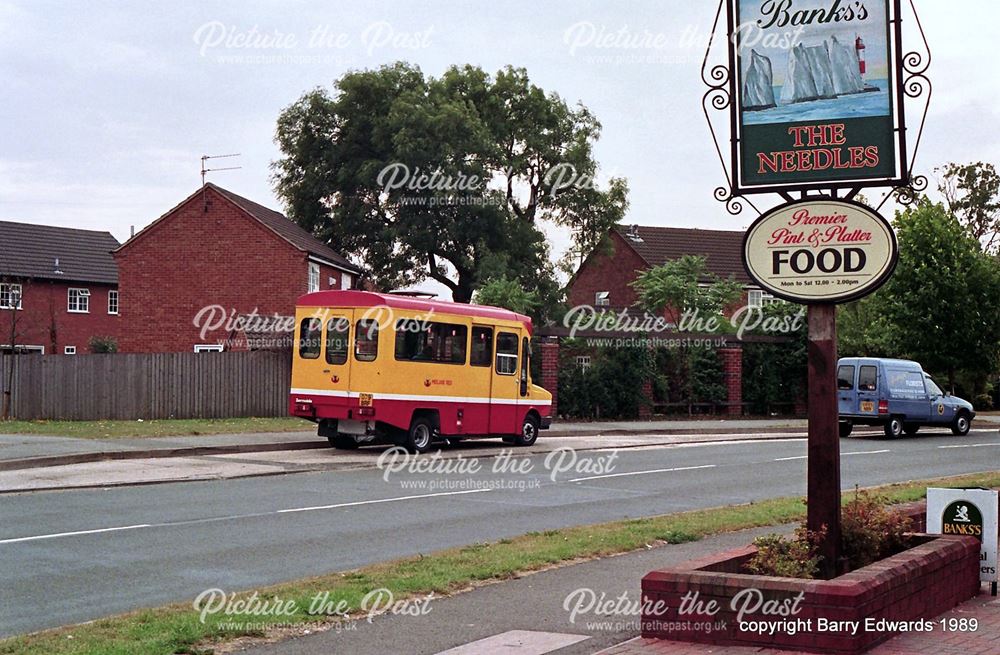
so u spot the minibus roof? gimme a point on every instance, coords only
(371, 299)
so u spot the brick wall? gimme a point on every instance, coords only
(206, 252)
(608, 271)
(732, 373)
(45, 320)
(550, 372)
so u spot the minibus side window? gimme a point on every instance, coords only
(868, 378)
(845, 378)
(507, 353)
(482, 346)
(366, 340)
(336, 340)
(421, 341)
(310, 338)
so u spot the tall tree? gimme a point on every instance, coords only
(445, 178)
(679, 286)
(972, 192)
(941, 305)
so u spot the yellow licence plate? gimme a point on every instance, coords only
(365, 400)
(868, 406)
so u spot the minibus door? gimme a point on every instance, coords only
(505, 390)
(336, 359)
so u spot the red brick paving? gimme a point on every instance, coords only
(984, 641)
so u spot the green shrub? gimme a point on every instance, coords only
(870, 530)
(794, 557)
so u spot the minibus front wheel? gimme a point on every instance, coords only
(529, 431)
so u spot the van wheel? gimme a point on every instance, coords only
(894, 428)
(529, 431)
(846, 427)
(910, 429)
(420, 436)
(962, 425)
(343, 442)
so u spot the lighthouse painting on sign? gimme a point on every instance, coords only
(823, 64)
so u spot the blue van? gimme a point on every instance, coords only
(897, 395)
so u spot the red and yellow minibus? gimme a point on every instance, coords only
(382, 368)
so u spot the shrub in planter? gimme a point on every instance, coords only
(870, 530)
(786, 558)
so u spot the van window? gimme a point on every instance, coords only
(482, 346)
(506, 353)
(366, 340)
(421, 341)
(845, 377)
(310, 338)
(526, 354)
(868, 378)
(905, 384)
(336, 340)
(933, 389)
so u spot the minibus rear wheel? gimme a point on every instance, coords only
(529, 431)
(420, 436)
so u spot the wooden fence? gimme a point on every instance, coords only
(149, 385)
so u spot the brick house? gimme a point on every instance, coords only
(221, 251)
(604, 278)
(60, 284)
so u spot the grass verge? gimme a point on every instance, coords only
(154, 428)
(178, 629)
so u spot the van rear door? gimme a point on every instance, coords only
(868, 390)
(847, 395)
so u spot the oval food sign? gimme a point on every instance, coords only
(820, 251)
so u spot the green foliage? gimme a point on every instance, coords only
(941, 305)
(612, 387)
(795, 557)
(506, 156)
(103, 345)
(776, 373)
(689, 375)
(509, 294)
(870, 531)
(675, 287)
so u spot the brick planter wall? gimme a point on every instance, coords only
(935, 575)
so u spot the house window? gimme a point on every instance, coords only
(112, 302)
(313, 277)
(79, 301)
(69, 350)
(602, 299)
(10, 296)
(208, 347)
(757, 299)
(346, 281)
(583, 361)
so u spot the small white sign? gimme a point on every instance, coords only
(970, 512)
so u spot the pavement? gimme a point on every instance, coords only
(535, 615)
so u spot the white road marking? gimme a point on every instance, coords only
(379, 500)
(622, 475)
(73, 534)
(972, 445)
(214, 519)
(859, 452)
(518, 642)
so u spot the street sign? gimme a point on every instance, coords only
(970, 512)
(820, 251)
(817, 94)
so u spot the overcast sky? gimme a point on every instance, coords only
(108, 106)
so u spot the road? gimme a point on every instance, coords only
(71, 556)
